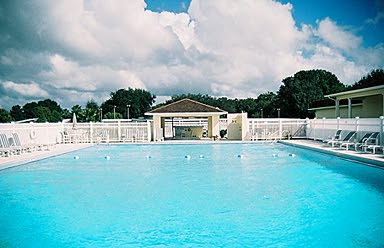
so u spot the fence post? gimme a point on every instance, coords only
(118, 131)
(323, 130)
(338, 123)
(381, 130)
(281, 129)
(91, 131)
(357, 124)
(149, 138)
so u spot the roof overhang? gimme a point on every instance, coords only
(333, 107)
(371, 91)
(188, 114)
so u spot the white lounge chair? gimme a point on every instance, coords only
(361, 142)
(348, 138)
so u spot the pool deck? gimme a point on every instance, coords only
(358, 156)
(26, 157)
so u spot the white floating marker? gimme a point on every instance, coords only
(275, 155)
(149, 156)
(76, 157)
(107, 157)
(240, 156)
(292, 155)
(187, 157)
(201, 156)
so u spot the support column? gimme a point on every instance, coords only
(349, 108)
(210, 127)
(337, 108)
(156, 127)
(382, 105)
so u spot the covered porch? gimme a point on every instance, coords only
(186, 109)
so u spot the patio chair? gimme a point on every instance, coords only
(361, 142)
(65, 138)
(335, 137)
(372, 143)
(15, 142)
(348, 138)
(6, 149)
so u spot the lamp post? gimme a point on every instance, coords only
(128, 111)
(278, 113)
(101, 114)
(114, 112)
(261, 113)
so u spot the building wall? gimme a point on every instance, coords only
(372, 106)
(357, 110)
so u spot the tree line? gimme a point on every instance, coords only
(295, 96)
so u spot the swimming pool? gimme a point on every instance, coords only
(192, 195)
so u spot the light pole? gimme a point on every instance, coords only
(128, 111)
(114, 112)
(261, 110)
(278, 113)
(101, 114)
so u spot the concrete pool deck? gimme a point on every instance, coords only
(358, 156)
(368, 158)
(26, 157)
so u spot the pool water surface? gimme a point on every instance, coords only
(192, 195)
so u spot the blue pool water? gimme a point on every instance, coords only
(152, 196)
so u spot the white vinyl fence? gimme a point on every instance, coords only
(52, 133)
(323, 129)
(274, 129)
(120, 131)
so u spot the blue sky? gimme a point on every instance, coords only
(234, 48)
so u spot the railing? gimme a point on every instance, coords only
(323, 129)
(267, 129)
(258, 129)
(50, 133)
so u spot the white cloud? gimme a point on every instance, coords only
(29, 90)
(222, 47)
(337, 36)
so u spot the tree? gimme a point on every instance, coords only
(298, 92)
(138, 100)
(46, 111)
(110, 115)
(268, 103)
(374, 78)
(5, 116)
(44, 114)
(17, 113)
(91, 111)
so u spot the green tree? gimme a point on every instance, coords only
(374, 78)
(46, 110)
(44, 114)
(138, 100)
(110, 115)
(5, 116)
(298, 92)
(266, 103)
(17, 113)
(91, 111)
(79, 112)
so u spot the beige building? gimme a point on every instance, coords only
(187, 108)
(370, 104)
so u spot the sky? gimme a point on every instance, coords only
(73, 51)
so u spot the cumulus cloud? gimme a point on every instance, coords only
(28, 90)
(86, 49)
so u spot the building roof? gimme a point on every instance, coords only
(358, 93)
(186, 106)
